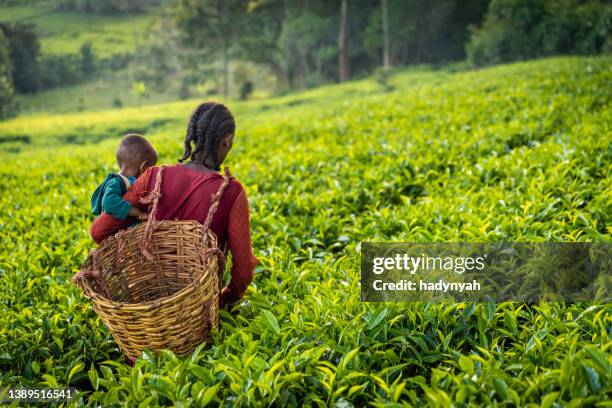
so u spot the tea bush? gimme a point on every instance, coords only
(517, 152)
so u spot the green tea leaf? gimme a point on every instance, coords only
(270, 321)
(592, 378)
(377, 318)
(501, 388)
(78, 367)
(466, 364)
(50, 381)
(549, 399)
(510, 322)
(93, 377)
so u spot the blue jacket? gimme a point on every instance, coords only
(108, 197)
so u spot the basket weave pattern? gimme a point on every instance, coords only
(157, 285)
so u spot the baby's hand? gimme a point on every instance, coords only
(138, 213)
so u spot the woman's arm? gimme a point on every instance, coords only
(106, 225)
(239, 242)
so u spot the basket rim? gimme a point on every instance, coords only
(149, 303)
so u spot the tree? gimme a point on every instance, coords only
(360, 60)
(432, 31)
(159, 63)
(213, 26)
(261, 42)
(105, 6)
(60, 70)
(308, 46)
(88, 60)
(297, 39)
(385, 27)
(310, 42)
(343, 69)
(521, 29)
(6, 81)
(25, 47)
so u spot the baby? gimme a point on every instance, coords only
(134, 155)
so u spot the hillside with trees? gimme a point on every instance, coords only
(140, 51)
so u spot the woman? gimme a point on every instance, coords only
(187, 189)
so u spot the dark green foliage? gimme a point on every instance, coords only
(32, 72)
(116, 61)
(423, 31)
(24, 3)
(105, 6)
(294, 44)
(25, 48)
(88, 60)
(6, 81)
(523, 29)
(214, 27)
(159, 57)
(67, 69)
(60, 70)
(382, 78)
(298, 41)
(246, 89)
(309, 44)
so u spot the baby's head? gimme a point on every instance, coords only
(135, 154)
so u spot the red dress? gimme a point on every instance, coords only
(187, 196)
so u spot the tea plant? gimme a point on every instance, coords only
(514, 153)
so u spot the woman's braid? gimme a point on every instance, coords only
(208, 124)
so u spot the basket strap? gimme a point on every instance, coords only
(215, 251)
(152, 198)
(214, 203)
(120, 240)
(221, 259)
(120, 257)
(80, 278)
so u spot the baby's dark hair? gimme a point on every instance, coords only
(134, 149)
(209, 123)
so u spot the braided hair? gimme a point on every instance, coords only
(209, 123)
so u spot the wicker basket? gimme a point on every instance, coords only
(157, 285)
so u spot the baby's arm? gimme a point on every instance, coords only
(115, 205)
(135, 212)
(106, 225)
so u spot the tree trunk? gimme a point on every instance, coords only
(343, 72)
(385, 26)
(282, 77)
(226, 70)
(225, 30)
(304, 68)
(419, 50)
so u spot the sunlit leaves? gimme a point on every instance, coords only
(509, 153)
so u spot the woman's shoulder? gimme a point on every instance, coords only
(235, 186)
(179, 170)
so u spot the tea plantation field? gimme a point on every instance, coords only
(517, 152)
